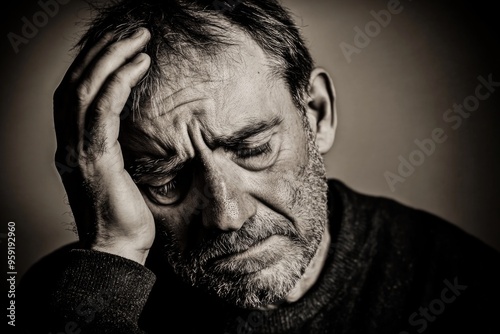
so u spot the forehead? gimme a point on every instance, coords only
(224, 92)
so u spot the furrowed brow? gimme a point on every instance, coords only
(234, 140)
(149, 168)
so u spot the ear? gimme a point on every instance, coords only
(320, 109)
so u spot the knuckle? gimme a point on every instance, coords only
(111, 50)
(117, 79)
(83, 93)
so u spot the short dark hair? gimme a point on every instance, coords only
(178, 26)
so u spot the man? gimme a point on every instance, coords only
(201, 200)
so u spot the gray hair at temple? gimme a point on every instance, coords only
(183, 32)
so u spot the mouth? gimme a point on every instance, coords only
(260, 255)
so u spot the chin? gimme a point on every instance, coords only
(261, 278)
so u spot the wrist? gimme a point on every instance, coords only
(124, 250)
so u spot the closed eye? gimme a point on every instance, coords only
(247, 153)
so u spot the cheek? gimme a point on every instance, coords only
(276, 190)
(293, 158)
(294, 148)
(277, 186)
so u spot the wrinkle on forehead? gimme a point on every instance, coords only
(237, 93)
(206, 74)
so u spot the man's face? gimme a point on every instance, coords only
(231, 174)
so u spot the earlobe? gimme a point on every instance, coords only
(321, 111)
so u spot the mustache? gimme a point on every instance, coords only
(253, 231)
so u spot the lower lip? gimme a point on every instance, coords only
(260, 246)
(268, 251)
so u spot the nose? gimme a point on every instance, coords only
(228, 204)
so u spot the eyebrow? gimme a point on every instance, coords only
(151, 167)
(147, 167)
(234, 140)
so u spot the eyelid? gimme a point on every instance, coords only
(260, 137)
(254, 152)
(156, 180)
(249, 143)
(172, 191)
(155, 196)
(255, 144)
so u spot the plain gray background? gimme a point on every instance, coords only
(394, 91)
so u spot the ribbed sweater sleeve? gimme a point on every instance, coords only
(100, 293)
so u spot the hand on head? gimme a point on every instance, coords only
(109, 209)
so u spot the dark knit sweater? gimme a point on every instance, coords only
(390, 269)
